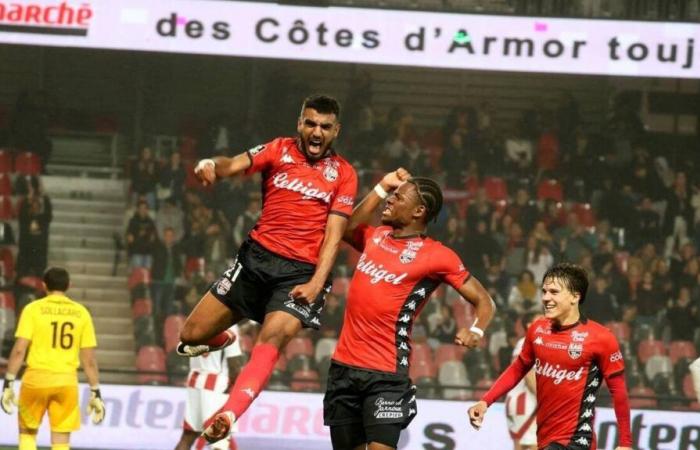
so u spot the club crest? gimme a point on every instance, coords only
(575, 350)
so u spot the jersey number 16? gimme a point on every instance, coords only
(62, 337)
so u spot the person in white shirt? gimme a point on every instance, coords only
(695, 374)
(211, 375)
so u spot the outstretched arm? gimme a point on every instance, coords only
(364, 211)
(208, 170)
(473, 292)
(618, 390)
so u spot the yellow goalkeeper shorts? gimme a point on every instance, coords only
(61, 402)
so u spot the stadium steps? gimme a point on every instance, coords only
(87, 214)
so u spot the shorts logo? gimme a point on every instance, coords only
(387, 409)
(223, 286)
(291, 304)
(575, 350)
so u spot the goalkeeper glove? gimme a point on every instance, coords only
(8, 394)
(96, 407)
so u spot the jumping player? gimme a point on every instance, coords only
(281, 272)
(370, 397)
(572, 356)
(59, 335)
(211, 376)
(521, 403)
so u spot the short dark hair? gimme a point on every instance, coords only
(56, 279)
(573, 276)
(430, 195)
(323, 104)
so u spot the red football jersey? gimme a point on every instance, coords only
(392, 281)
(570, 365)
(298, 196)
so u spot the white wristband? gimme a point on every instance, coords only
(477, 331)
(379, 190)
(204, 162)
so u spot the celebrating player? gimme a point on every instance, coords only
(281, 272)
(211, 376)
(521, 403)
(572, 356)
(370, 397)
(60, 332)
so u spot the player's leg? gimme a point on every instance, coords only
(384, 436)
(206, 328)
(64, 416)
(342, 409)
(388, 407)
(31, 408)
(348, 437)
(193, 420)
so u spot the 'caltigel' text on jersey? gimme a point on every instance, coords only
(570, 365)
(391, 284)
(298, 195)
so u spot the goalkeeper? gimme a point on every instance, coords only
(58, 332)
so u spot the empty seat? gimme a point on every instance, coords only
(324, 348)
(495, 188)
(5, 184)
(140, 275)
(7, 263)
(28, 163)
(421, 352)
(5, 161)
(681, 349)
(171, 331)
(453, 375)
(550, 189)
(141, 307)
(642, 397)
(151, 358)
(657, 364)
(7, 300)
(620, 329)
(305, 381)
(585, 214)
(448, 352)
(648, 348)
(299, 346)
(193, 265)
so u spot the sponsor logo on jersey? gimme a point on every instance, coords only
(306, 189)
(617, 356)
(540, 330)
(388, 409)
(377, 272)
(579, 336)
(556, 373)
(257, 149)
(346, 200)
(575, 350)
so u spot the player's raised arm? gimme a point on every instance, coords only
(364, 211)
(473, 292)
(210, 169)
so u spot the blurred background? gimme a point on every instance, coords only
(97, 149)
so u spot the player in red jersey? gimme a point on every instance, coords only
(572, 356)
(281, 272)
(370, 397)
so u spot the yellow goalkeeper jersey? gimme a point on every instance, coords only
(58, 328)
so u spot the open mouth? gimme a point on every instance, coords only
(315, 145)
(549, 307)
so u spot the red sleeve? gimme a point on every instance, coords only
(507, 381)
(450, 269)
(345, 195)
(610, 357)
(361, 235)
(263, 157)
(618, 390)
(527, 354)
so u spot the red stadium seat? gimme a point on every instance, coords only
(648, 399)
(5, 184)
(620, 329)
(141, 307)
(550, 189)
(422, 369)
(448, 352)
(7, 263)
(421, 352)
(140, 275)
(151, 359)
(7, 209)
(5, 161)
(171, 331)
(28, 163)
(299, 346)
(193, 265)
(496, 188)
(648, 348)
(681, 349)
(305, 381)
(7, 300)
(340, 286)
(585, 214)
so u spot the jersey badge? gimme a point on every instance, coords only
(255, 150)
(575, 349)
(223, 286)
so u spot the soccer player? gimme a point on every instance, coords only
(521, 403)
(572, 356)
(211, 376)
(58, 332)
(370, 397)
(281, 272)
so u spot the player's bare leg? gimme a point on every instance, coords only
(378, 446)
(186, 440)
(277, 330)
(60, 441)
(207, 327)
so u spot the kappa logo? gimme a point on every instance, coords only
(403, 332)
(249, 392)
(403, 346)
(585, 427)
(575, 350)
(539, 341)
(404, 361)
(582, 440)
(420, 292)
(411, 305)
(286, 159)
(589, 399)
(587, 413)
(405, 318)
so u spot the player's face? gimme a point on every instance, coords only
(559, 303)
(403, 206)
(317, 132)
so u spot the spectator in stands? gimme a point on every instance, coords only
(170, 216)
(573, 239)
(649, 301)
(217, 237)
(601, 304)
(443, 326)
(523, 210)
(141, 237)
(481, 250)
(231, 196)
(515, 253)
(171, 183)
(35, 215)
(246, 221)
(167, 267)
(539, 258)
(144, 176)
(524, 296)
(479, 209)
(683, 317)
(333, 312)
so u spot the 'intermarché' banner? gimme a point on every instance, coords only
(370, 36)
